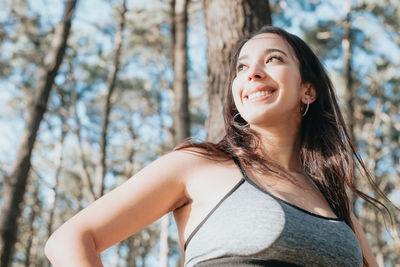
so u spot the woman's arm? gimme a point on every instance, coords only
(366, 250)
(154, 191)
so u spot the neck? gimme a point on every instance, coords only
(282, 146)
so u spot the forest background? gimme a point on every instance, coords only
(92, 91)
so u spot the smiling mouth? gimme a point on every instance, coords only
(260, 95)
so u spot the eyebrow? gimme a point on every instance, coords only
(266, 52)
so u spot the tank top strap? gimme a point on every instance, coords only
(237, 162)
(210, 213)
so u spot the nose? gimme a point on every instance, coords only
(256, 72)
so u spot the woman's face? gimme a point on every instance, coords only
(267, 89)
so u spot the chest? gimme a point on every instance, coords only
(206, 189)
(252, 224)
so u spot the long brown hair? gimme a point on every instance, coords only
(327, 154)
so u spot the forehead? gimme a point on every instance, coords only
(264, 41)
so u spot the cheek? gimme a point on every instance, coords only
(236, 91)
(290, 78)
(296, 77)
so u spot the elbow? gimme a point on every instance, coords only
(57, 245)
(69, 246)
(53, 246)
(49, 248)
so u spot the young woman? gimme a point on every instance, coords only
(272, 192)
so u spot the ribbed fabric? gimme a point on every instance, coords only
(250, 227)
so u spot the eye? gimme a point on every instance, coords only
(274, 58)
(240, 67)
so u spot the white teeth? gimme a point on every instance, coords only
(259, 93)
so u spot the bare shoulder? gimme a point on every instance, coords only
(196, 159)
(184, 162)
(190, 163)
(198, 170)
(206, 175)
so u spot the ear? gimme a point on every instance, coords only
(308, 92)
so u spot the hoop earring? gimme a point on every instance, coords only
(240, 125)
(308, 105)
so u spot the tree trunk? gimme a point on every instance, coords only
(119, 250)
(131, 258)
(181, 103)
(84, 172)
(15, 190)
(111, 81)
(164, 240)
(181, 115)
(349, 94)
(58, 165)
(347, 44)
(227, 21)
(31, 233)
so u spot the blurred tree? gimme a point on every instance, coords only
(83, 164)
(368, 91)
(35, 210)
(226, 22)
(111, 82)
(63, 113)
(15, 188)
(181, 115)
(141, 101)
(141, 124)
(349, 93)
(180, 85)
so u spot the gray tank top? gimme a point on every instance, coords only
(251, 227)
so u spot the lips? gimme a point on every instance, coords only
(259, 92)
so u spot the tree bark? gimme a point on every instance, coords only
(111, 81)
(181, 114)
(131, 259)
(181, 103)
(227, 21)
(35, 210)
(84, 172)
(58, 166)
(347, 44)
(164, 240)
(15, 190)
(348, 49)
